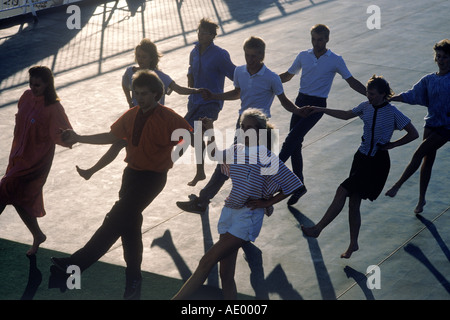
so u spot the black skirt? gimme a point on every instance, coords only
(368, 175)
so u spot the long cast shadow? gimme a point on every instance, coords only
(34, 280)
(361, 279)
(432, 228)
(325, 284)
(417, 253)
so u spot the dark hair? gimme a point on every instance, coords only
(443, 45)
(149, 48)
(209, 25)
(46, 75)
(321, 28)
(149, 79)
(381, 85)
(256, 43)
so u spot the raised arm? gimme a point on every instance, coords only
(183, 90)
(356, 85)
(229, 95)
(289, 106)
(397, 97)
(286, 76)
(71, 137)
(340, 114)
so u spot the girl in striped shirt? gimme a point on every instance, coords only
(259, 180)
(371, 162)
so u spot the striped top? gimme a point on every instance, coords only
(256, 173)
(379, 125)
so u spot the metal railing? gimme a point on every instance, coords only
(11, 8)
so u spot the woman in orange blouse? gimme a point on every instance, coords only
(39, 120)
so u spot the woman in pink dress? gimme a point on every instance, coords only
(39, 120)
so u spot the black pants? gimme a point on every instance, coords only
(299, 127)
(138, 190)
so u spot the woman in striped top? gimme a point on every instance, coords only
(371, 162)
(259, 180)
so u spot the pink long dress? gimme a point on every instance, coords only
(36, 132)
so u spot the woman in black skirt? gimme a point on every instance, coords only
(371, 162)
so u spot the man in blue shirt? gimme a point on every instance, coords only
(319, 65)
(208, 67)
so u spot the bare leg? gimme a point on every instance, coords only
(33, 226)
(332, 212)
(200, 174)
(426, 152)
(354, 220)
(226, 245)
(227, 271)
(106, 159)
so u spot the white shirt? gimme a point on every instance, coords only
(318, 74)
(257, 90)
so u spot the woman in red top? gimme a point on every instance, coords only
(39, 119)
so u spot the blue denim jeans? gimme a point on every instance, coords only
(299, 127)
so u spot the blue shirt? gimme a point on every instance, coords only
(379, 125)
(209, 71)
(257, 90)
(432, 91)
(318, 74)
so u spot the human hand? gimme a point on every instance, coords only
(258, 203)
(68, 136)
(206, 94)
(387, 146)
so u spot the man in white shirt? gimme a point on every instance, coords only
(257, 87)
(319, 65)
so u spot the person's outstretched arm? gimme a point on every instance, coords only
(70, 136)
(336, 113)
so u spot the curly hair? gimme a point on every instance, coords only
(381, 85)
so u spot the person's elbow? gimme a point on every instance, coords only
(412, 132)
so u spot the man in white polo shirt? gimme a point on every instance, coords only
(319, 65)
(257, 87)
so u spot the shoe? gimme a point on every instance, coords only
(133, 289)
(296, 195)
(192, 205)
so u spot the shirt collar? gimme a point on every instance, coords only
(328, 53)
(385, 103)
(260, 72)
(197, 46)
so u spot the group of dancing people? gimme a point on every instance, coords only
(145, 131)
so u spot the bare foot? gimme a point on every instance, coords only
(36, 243)
(86, 174)
(347, 254)
(312, 232)
(198, 177)
(392, 191)
(419, 207)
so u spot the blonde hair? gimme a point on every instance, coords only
(149, 48)
(262, 123)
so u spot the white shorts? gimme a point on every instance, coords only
(243, 223)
